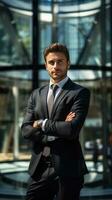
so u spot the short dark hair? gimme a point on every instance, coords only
(56, 47)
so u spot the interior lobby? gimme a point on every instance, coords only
(26, 28)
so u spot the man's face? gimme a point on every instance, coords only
(57, 66)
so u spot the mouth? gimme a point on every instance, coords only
(56, 72)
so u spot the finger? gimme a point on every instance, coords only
(35, 124)
(69, 113)
(72, 114)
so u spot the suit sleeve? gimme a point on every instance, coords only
(28, 131)
(70, 130)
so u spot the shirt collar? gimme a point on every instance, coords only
(61, 83)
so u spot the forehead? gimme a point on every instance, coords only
(56, 56)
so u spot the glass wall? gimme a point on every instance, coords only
(15, 36)
(14, 91)
(85, 27)
(83, 23)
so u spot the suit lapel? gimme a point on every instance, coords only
(64, 91)
(43, 98)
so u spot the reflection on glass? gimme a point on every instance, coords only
(14, 91)
(15, 37)
(80, 31)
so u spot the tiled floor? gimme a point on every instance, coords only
(14, 179)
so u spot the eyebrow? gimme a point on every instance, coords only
(56, 60)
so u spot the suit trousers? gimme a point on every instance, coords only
(46, 185)
(69, 188)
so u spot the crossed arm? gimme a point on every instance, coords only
(69, 117)
(69, 129)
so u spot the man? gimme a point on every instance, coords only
(53, 123)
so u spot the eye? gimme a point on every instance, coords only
(51, 62)
(59, 62)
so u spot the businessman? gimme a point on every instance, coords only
(54, 117)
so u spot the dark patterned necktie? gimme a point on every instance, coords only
(46, 150)
(51, 98)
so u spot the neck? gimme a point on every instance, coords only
(56, 81)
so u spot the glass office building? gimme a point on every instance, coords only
(26, 28)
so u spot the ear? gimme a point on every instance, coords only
(68, 64)
(45, 65)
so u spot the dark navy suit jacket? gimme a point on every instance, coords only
(66, 150)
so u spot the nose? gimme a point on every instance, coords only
(55, 64)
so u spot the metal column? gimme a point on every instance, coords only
(104, 92)
(35, 39)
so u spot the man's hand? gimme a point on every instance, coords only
(37, 124)
(70, 116)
